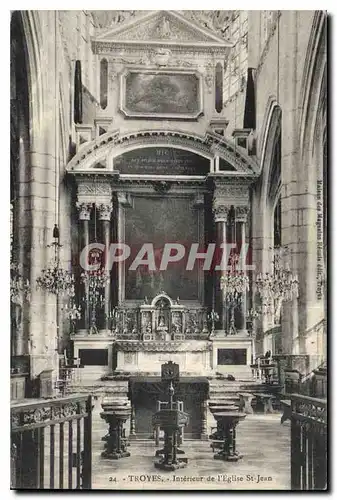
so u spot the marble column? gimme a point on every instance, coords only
(241, 214)
(104, 215)
(84, 210)
(220, 216)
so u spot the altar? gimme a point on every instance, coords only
(162, 195)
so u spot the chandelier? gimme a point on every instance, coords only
(234, 284)
(53, 279)
(277, 287)
(56, 280)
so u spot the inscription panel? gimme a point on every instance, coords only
(161, 161)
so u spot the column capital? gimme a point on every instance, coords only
(241, 213)
(84, 210)
(220, 212)
(104, 211)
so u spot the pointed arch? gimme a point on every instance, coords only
(33, 41)
(270, 170)
(313, 87)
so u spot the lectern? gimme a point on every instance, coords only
(170, 419)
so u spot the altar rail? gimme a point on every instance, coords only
(51, 443)
(308, 443)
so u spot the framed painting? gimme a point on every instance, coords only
(161, 94)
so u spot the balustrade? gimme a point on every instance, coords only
(51, 443)
(308, 443)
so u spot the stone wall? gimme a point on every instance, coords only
(281, 60)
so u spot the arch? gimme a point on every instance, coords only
(160, 296)
(33, 42)
(271, 136)
(20, 116)
(113, 144)
(126, 148)
(313, 81)
(262, 142)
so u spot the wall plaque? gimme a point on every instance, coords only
(232, 356)
(161, 94)
(161, 161)
(93, 357)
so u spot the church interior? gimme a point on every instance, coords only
(168, 249)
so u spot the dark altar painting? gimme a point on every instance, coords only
(161, 161)
(158, 221)
(161, 94)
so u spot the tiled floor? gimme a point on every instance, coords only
(264, 443)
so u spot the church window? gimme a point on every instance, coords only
(104, 83)
(218, 88)
(277, 224)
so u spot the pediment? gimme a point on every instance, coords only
(166, 27)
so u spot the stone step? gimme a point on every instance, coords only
(225, 397)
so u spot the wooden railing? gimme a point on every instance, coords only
(51, 443)
(308, 443)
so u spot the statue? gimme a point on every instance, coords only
(161, 321)
(176, 323)
(163, 29)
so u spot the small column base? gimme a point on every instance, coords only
(115, 455)
(228, 458)
(180, 464)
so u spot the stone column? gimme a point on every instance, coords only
(220, 216)
(241, 214)
(132, 421)
(84, 210)
(104, 215)
(204, 408)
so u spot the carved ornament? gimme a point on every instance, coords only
(220, 212)
(241, 213)
(214, 21)
(94, 188)
(57, 411)
(155, 346)
(104, 211)
(234, 193)
(84, 210)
